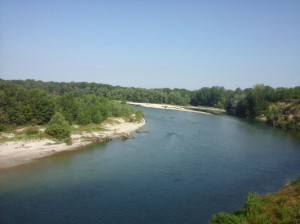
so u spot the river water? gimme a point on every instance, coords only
(184, 168)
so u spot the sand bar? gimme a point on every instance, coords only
(13, 153)
(165, 107)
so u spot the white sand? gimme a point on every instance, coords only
(165, 107)
(13, 153)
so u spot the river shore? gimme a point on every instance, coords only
(166, 107)
(13, 153)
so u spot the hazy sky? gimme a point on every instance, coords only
(152, 43)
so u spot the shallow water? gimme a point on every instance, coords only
(187, 167)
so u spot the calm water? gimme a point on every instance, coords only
(186, 167)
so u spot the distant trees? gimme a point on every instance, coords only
(237, 104)
(213, 97)
(36, 102)
(168, 96)
(254, 102)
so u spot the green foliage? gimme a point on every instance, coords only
(20, 106)
(213, 97)
(57, 118)
(254, 207)
(117, 109)
(238, 104)
(274, 115)
(94, 109)
(84, 118)
(3, 127)
(69, 106)
(175, 96)
(27, 102)
(255, 102)
(282, 207)
(224, 218)
(40, 106)
(257, 99)
(32, 130)
(139, 115)
(284, 115)
(58, 127)
(60, 132)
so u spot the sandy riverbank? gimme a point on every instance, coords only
(165, 107)
(13, 153)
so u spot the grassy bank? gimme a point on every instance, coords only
(282, 207)
(37, 132)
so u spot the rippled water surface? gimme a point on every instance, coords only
(184, 168)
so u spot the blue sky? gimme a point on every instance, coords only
(152, 44)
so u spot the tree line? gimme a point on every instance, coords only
(22, 106)
(166, 95)
(248, 103)
(253, 102)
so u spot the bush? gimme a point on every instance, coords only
(60, 132)
(282, 207)
(58, 118)
(139, 115)
(223, 218)
(59, 128)
(32, 131)
(3, 127)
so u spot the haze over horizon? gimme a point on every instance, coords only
(152, 44)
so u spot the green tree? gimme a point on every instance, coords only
(69, 106)
(40, 107)
(257, 100)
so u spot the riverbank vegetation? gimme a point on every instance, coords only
(281, 207)
(80, 101)
(21, 106)
(51, 109)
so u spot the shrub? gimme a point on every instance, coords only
(58, 118)
(224, 218)
(59, 128)
(59, 131)
(2, 127)
(32, 131)
(282, 207)
(139, 115)
(84, 118)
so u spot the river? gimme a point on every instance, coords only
(183, 168)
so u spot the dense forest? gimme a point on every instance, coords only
(257, 102)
